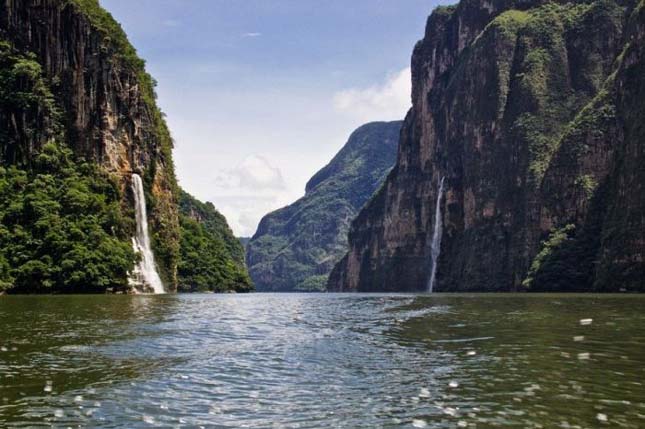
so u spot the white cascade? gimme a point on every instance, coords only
(145, 273)
(435, 249)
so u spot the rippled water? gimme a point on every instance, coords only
(319, 361)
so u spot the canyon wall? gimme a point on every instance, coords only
(104, 104)
(533, 112)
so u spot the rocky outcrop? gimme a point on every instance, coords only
(296, 247)
(107, 100)
(532, 111)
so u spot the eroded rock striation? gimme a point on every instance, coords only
(101, 105)
(533, 111)
(296, 247)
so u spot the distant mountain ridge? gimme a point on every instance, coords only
(296, 247)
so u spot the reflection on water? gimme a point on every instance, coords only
(311, 361)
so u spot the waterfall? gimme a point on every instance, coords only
(435, 249)
(145, 273)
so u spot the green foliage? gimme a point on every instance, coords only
(212, 259)
(546, 256)
(510, 22)
(116, 39)
(165, 239)
(587, 184)
(544, 96)
(296, 247)
(103, 21)
(28, 112)
(61, 226)
(29, 118)
(568, 259)
(213, 221)
(22, 82)
(594, 120)
(313, 284)
(62, 230)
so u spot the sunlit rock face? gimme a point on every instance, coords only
(108, 103)
(296, 247)
(533, 112)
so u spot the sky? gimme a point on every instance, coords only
(261, 94)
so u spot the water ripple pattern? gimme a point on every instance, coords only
(323, 360)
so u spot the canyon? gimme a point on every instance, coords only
(79, 123)
(296, 247)
(533, 112)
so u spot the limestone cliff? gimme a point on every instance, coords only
(532, 111)
(296, 247)
(106, 106)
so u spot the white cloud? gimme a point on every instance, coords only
(251, 34)
(387, 101)
(243, 213)
(248, 191)
(254, 173)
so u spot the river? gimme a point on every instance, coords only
(323, 361)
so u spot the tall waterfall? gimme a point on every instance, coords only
(145, 273)
(435, 250)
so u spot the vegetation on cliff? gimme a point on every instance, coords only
(67, 218)
(211, 258)
(61, 226)
(29, 115)
(296, 247)
(49, 111)
(532, 111)
(162, 208)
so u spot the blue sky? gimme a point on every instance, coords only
(260, 94)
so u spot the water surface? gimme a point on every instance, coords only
(318, 361)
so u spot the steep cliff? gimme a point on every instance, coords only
(77, 83)
(296, 247)
(532, 111)
(211, 258)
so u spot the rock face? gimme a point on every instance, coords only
(296, 247)
(107, 100)
(533, 112)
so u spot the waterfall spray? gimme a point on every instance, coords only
(435, 249)
(145, 273)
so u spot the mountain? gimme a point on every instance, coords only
(533, 112)
(78, 120)
(296, 247)
(212, 259)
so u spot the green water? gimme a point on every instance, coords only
(324, 360)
